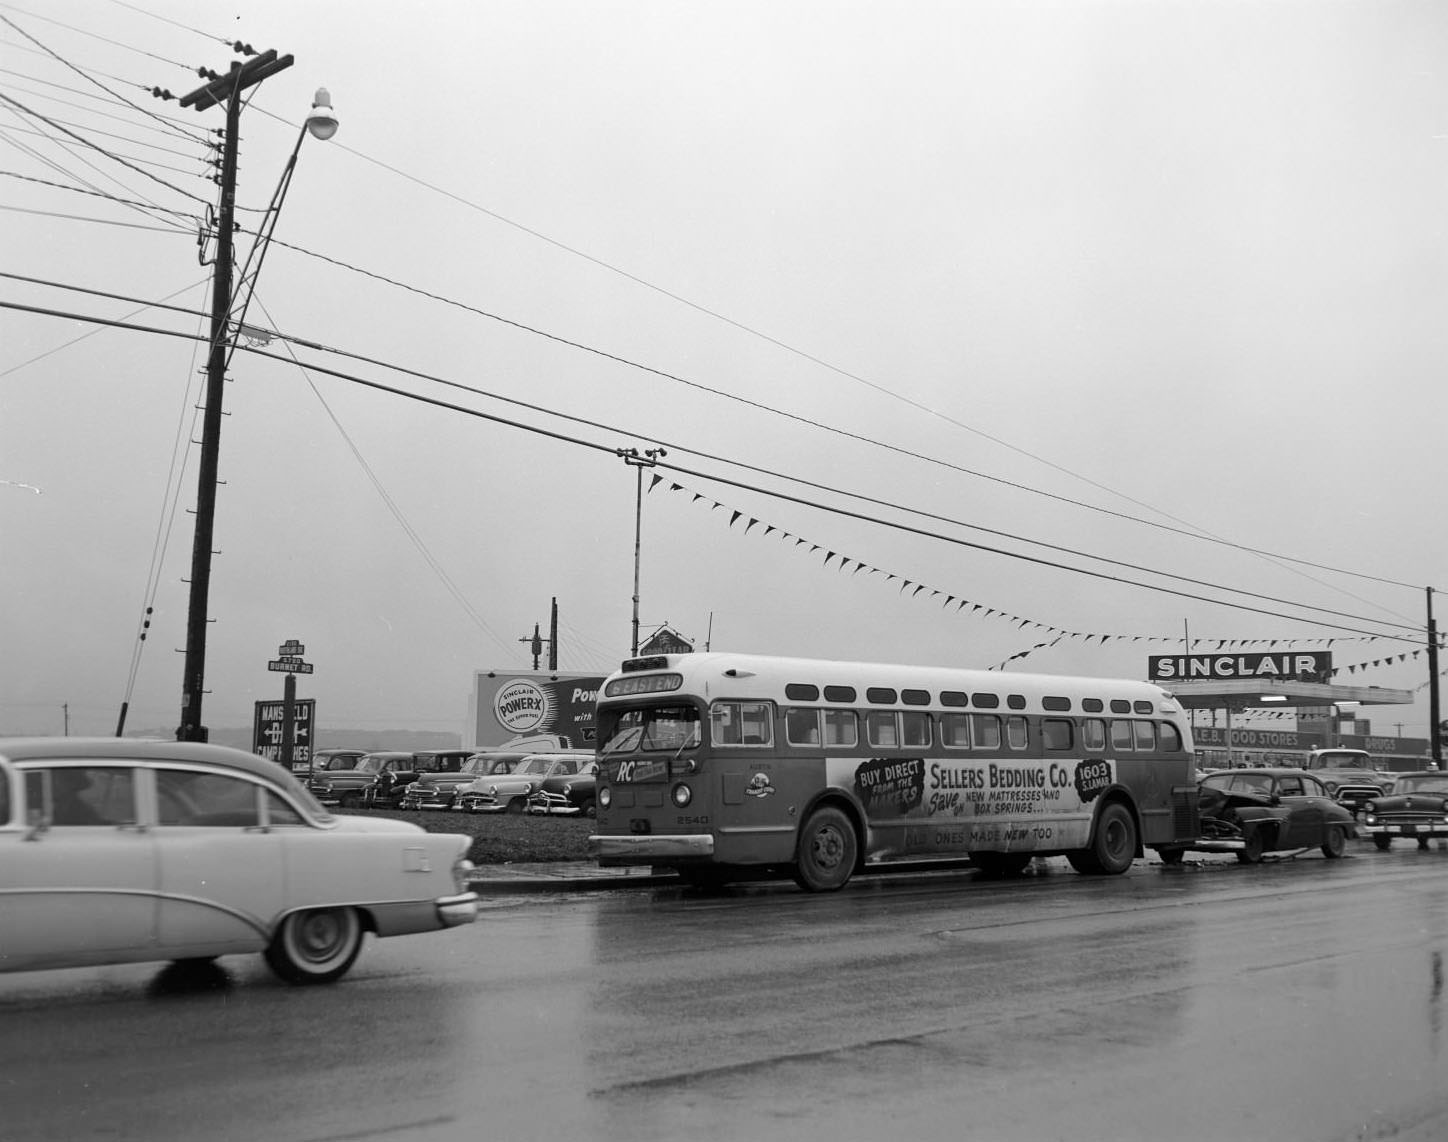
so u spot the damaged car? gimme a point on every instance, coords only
(1251, 812)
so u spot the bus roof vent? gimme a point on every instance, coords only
(655, 662)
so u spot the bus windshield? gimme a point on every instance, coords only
(658, 728)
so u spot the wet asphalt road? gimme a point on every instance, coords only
(1300, 999)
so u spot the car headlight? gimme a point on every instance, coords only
(605, 796)
(681, 794)
(492, 790)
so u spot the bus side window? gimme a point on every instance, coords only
(985, 731)
(1017, 732)
(802, 727)
(756, 724)
(1171, 738)
(1093, 735)
(1121, 735)
(914, 728)
(1056, 733)
(840, 728)
(1145, 736)
(955, 731)
(723, 725)
(880, 729)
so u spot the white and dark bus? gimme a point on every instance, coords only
(713, 764)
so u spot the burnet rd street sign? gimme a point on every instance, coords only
(289, 659)
(283, 730)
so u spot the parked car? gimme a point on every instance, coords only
(1416, 809)
(344, 787)
(1256, 811)
(509, 793)
(325, 759)
(385, 791)
(439, 789)
(568, 794)
(126, 851)
(1349, 775)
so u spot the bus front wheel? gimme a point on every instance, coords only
(1113, 844)
(825, 856)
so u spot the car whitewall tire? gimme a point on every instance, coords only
(316, 946)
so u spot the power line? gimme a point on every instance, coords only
(99, 149)
(581, 442)
(1196, 534)
(91, 79)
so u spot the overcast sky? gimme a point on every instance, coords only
(915, 289)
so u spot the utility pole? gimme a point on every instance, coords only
(647, 459)
(536, 645)
(1435, 714)
(221, 88)
(553, 637)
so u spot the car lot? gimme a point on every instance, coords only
(125, 851)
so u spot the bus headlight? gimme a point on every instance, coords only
(605, 796)
(682, 795)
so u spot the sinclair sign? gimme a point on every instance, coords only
(1298, 665)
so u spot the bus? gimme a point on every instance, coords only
(714, 764)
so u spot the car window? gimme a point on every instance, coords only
(207, 800)
(1290, 787)
(279, 812)
(85, 795)
(1435, 783)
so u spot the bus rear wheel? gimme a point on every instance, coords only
(1113, 844)
(827, 850)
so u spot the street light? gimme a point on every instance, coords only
(322, 123)
(649, 458)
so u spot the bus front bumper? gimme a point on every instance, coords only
(650, 846)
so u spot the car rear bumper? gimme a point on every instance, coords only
(456, 910)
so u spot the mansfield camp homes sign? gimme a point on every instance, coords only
(1301, 665)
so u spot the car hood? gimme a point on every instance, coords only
(375, 825)
(1417, 802)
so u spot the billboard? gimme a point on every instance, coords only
(531, 707)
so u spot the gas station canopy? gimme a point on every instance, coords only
(1276, 693)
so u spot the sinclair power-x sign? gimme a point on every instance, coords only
(525, 707)
(1303, 666)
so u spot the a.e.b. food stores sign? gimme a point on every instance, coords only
(505, 708)
(1298, 665)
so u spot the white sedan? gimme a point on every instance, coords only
(123, 851)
